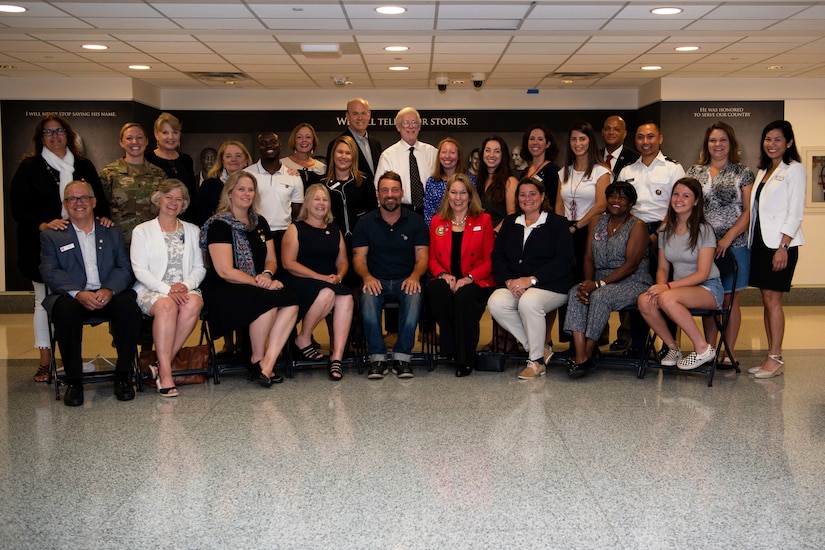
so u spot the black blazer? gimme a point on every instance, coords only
(628, 156)
(547, 254)
(363, 165)
(35, 199)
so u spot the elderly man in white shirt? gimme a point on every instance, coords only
(411, 159)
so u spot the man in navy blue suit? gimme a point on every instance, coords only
(87, 270)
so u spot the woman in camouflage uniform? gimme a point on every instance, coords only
(130, 181)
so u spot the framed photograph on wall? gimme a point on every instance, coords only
(814, 158)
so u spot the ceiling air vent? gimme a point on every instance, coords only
(578, 75)
(217, 76)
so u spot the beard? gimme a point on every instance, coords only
(390, 206)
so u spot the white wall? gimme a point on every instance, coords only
(804, 108)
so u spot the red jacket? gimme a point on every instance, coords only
(476, 248)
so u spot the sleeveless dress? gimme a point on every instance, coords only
(608, 254)
(317, 250)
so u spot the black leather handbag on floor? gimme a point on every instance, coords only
(490, 361)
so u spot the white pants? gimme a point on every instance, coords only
(40, 319)
(524, 317)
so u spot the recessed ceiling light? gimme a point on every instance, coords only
(7, 8)
(567, 81)
(230, 82)
(94, 47)
(390, 10)
(651, 68)
(321, 48)
(396, 48)
(140, 67)
(399, 68)
(666, 11)
(7, 67)
(775, 67)
(686, 48)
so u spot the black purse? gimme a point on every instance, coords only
(490, 361)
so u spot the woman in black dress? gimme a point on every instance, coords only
(176, 164)
(776, 209)
(540, 151)
(239, 288)
(37, 205)
(315, 259)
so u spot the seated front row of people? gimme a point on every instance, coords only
(89, 273)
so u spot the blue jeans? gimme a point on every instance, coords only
(408, 315)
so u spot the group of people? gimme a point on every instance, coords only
(266, 245)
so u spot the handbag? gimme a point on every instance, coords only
(490, 361)
(194, 358)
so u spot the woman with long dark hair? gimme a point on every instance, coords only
(37, 205)
(496, 183)
(776, 233)
(540, 150)
(688, 244)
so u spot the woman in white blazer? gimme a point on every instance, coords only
(776, 207)
(168, 265)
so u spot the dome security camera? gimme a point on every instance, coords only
(478, 79)
(441, 82)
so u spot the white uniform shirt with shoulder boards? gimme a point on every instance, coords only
(277, 192)
(397, 158)
(653, 185)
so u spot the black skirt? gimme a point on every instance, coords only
(762, 275)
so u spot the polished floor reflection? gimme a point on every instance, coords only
(487, 461)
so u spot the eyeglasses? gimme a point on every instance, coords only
(58, 131)
(410, 123)
(83, 199)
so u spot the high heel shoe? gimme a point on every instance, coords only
(166, 392)
(153, 370)
(335, 371)
(757, 368)
(463, 370)
(762, 373)
(308, 353)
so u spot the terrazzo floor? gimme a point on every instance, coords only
(487, 461)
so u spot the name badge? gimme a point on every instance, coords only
(477, 228)
(780, 178)
(66, 247)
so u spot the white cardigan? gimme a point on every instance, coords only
(149, 257)
(781, 204)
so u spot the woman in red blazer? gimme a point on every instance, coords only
(461, 242)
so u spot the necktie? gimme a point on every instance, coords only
(416, 187)
(608, 160)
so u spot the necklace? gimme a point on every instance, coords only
(460, 222)
(573, 190)
(619, 226)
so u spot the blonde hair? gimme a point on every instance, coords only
(217, 168)
(303, 214)
(131, 125)
(169, 119)
(291, 142)
(445, 211)
(224, 206)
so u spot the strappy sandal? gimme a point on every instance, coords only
(336, 373)
(762, 373)
(309, 353)
(42, 374)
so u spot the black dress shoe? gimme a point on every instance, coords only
(463, 370)
(579, 370)
(74, 395)
(619, 344)
(124, 391)
(632, 352)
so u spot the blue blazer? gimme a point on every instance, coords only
(62, 267)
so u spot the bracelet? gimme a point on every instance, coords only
(470, 276)
(667, 285)
(441, 275)
(602, 283)
(268, 272)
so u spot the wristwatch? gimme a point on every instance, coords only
(784, 246)
(534, 281)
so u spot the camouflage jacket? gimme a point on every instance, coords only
(129, 189)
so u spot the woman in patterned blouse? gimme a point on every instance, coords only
(726, 185)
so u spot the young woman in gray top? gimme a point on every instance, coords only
(686, 242)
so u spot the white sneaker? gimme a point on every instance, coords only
(671, 358)
(694, 360)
